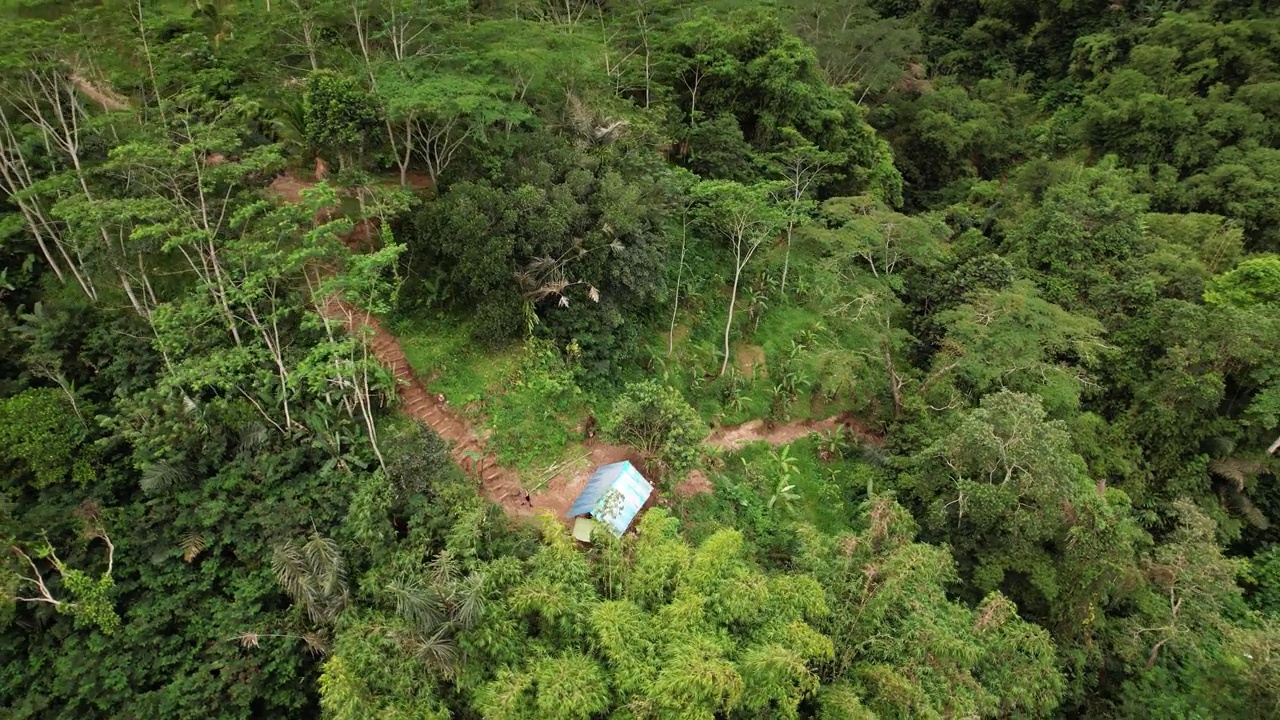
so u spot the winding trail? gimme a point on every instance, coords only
(556, 491)
(502, 484)
(499, 484)
(732, 437)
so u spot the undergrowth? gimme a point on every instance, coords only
(524, 394)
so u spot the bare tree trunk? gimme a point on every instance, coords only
(403, 159)
(151, 68)
(364, 399)
(786, 258)
(271, 338)
(63, 130)
(733, 300)
(675, 306)
(648, 56)
(138, 307)
(896, 381)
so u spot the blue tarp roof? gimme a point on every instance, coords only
(613, 496)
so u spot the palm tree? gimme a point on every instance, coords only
(313, 574)
(1232, 474)
(437, 606)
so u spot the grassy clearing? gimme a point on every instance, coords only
(751, 491)
(784, 344)
(524, 395)
(787, 350)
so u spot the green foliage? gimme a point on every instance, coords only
(656, 420)
(39, 428)
(535, 414)
(337, 113)
(747, 77)
(1004, 243)
(693, 632)
(903, 648)
(313, 575)
(1014, 339)
(1007, 491)
(1083, 229)
(554, 244)
(1255, 281)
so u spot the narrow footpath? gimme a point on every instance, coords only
(502, 484)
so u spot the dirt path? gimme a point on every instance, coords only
(503, 485)
(498, 483)
(732, 437)
(555, 494)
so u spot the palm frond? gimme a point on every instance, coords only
(437, 650)
(324, 561)
(469, 601)
(418, 604)
(161, 475)
(444, 568)
(1236, 470)
(315, 643)
(253, 437)
(287, 565)
(193, 543)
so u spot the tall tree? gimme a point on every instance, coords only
(746, 217)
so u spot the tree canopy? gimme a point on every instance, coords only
(947, 334)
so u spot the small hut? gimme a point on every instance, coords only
(613, 497)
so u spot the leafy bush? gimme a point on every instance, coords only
(337, 113)
(657, 420)
(499, 320)
(39, 427)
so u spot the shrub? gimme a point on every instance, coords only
(337, 113)
(657, 421)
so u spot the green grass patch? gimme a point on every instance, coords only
(751, 492)
(443, 352)
(525, 395)
(536, 412)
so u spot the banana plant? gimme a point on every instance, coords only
(788, 468)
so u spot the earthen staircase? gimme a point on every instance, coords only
(498, 483)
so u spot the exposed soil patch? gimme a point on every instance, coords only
(732, 437)
(749, 359)
(289, 187)
(695, 484)
(564, 487)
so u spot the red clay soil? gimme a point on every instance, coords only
(500, 484)
(289, 187)
(695, 484)
(565, 486)
(732, 437)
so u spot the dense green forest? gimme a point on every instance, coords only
(947, 332)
